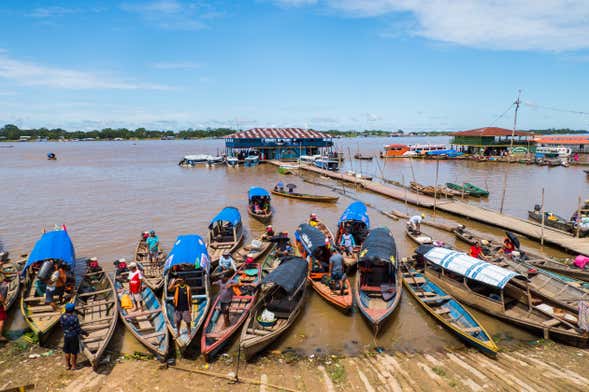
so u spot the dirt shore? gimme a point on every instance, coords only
(546, 366)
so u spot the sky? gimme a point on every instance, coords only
(323, 64)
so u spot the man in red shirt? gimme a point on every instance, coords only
(135, 286)
(476, 251)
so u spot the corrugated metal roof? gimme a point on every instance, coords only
(278, 133)
(563, 140)
(491, 131)
(470, 267)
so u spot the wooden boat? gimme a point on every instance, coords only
(420, 239)
(500, 292)
(225, 233)
(97, 308)
(363, 157)
(560, 268)
(256, 249)
(305, 196)
(378, 286)
(11, 273)
(283, 294)
(447, 310)
(189, 251)
(149, 326)
(215, 333)
(469, 189)
(551, 220)
(153, 272)
(355, 221)
(260, 196)
(52, 246)
(271, 261)
(310, 241)
(430, 190)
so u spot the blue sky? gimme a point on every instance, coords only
(347, 64)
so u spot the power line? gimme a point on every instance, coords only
(502, 114)
(533, 105)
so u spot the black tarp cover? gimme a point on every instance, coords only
(379, 246)
(290, 274)
(311, 238)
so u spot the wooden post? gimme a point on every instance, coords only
(578, 220)
(543, 217)
(405, 187)
(436, 186)
(504, 188)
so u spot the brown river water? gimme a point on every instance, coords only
(108, 192)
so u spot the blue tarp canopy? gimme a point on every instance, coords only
(257, 191)
(450, 153)
(290, 274)
(227, 214)
(355, 212)
(188, 249)
(55, 245)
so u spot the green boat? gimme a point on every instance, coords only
(468, 189)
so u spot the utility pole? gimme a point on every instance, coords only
(517, 103)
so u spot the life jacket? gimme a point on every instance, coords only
(177, 292)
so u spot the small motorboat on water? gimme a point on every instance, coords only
(251, 161)
(51, 156)
(215, 160)
(193, 160)
(232, 161)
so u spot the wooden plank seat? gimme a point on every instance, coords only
(94, 293)
(437, 298)
(141, 314)
(425, 293)
(153, 335)
(34, 299)
(551, 323)
(442, 310)
(95, 304)
(416, 280)
(375, 289)
(472, 329)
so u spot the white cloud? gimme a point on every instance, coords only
(294, 3)
(31, 74)
(545, 25)
(173, 14)
(176, 65)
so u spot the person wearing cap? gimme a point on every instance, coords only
(415, 223)
(182, 300)
(3, 299)
(226, 263)
(136, 286)
(71, 336)
(153, 245)
(313, 220)
(269, 233)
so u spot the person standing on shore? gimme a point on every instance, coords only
(71, 336)
(153, 246)
(3, 295)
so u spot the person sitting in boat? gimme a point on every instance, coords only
(249, 260)
(51, 287)
(291, 188)
(508, 247)
(121, 268)
(415, 223)
(279, 187)
(313, 220)
(336, 270)
(476, 251)
(347, 242)
(182, 299)
(136, 287)
(93, 265)
(269, 233)
(226, 263)
(3, 294)
(257, 207)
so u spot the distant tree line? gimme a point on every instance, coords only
(12, 132)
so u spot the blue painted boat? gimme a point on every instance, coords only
(448, 311)
(57, 246)
(378, 285)
(225, 233)
(262, 198)
(188, 259)
(354, 220)
(326, 163)
(149, 326)
(251, 161)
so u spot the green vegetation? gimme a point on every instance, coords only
(561, 131)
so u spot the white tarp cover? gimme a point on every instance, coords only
(470, 267)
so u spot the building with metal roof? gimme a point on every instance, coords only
(491, 140)
(277, 143)
(575, 143)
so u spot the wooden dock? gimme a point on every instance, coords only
(459, 208)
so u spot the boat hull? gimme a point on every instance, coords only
(306, 197)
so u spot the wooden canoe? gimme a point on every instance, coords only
(11, 272)
(430, 190)
(468, 189)
(419, 239)
(264, 217)
(255, 337)
(153, 273)
(216, 249)
(97, 307)
(215, 333)
(557, 222)
(256, 250)
(307, 197)
(149, 326)
(199, 284)
(560, 268)
(449, 312)
(363, 157)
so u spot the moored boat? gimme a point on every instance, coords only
(566, 269)
(193, 160)
(251, 161)
(232, 161)
(500, 292)
(281, 302)
(225, 233)
(215, 160)
(468, 189)
(352, 229)
(378, 285)
(244, 285)
(10, 272)
(313, 245)
(433, 191)
(447, 310)
(550, 219)
(363, 157)
(420, 239)
(259, 206)
(148, 326)
(153, 271)
(188, 260)
(305, 196)
(97, 309)
(326, 163)
(53, 246)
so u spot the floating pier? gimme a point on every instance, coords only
(459, 208)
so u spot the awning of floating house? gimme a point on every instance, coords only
(278, 133)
